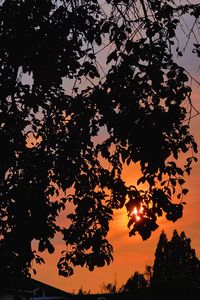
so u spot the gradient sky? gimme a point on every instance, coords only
(132, 254)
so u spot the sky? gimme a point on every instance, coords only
(132, 253)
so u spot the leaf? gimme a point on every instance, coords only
(41, 246)
(34, 271)
(181, 181)
(106, 27)
(50, 248)
(185, 191)
(112, 56)
(141, 180)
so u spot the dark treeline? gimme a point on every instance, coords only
(175, 266)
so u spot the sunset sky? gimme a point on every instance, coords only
(132, 254)
(101, 54)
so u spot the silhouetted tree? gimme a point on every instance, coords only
(136, 281)
(176, 264)
(148, 274)
(161, 260)
(58, 91)
(81, 291)
(110, 287)
(139, 280)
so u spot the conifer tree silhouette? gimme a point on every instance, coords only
(176, 264)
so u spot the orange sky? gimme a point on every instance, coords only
(131, 254)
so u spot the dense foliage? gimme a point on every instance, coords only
(85, 88)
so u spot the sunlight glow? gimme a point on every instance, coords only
(136, 213)
(32, 139)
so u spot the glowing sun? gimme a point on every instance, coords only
(137, 213)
